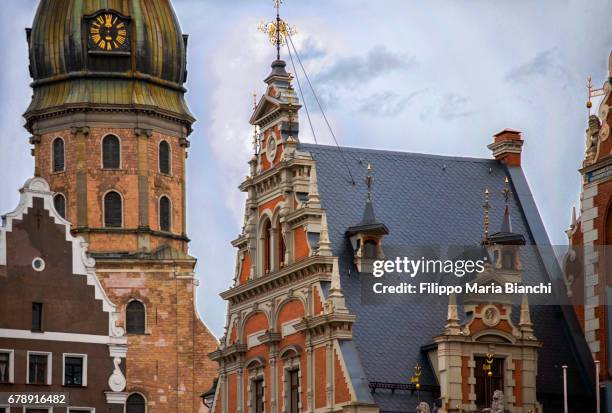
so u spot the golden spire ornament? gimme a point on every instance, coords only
(488, 364)
(486, 206)
(277, 31)
(416, 379)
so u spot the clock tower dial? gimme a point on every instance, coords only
(108, 32)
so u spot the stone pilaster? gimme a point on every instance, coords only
(80, 135)
(142, 136)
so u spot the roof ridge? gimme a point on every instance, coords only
(306, 145)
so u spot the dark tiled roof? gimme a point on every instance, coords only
(427, 200)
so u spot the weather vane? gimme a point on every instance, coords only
(278, 31)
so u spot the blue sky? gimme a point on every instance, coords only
(424, 76)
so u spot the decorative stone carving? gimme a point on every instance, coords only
(422, 408)
(497, 405)
(116, 381)
(490, 316)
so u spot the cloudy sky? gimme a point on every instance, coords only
(424, 76)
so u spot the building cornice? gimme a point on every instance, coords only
(316, 265)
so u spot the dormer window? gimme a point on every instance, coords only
(507, 261)
(370, 248)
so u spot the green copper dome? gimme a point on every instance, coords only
(107, 55)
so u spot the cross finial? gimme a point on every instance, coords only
(277, 31)
(486, 207)
(369, 181)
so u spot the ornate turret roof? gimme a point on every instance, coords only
(92, 54)
(505, 235)
(369, 223)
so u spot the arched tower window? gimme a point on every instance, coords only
(58, 155)
(113, 210)
(135, 404)
(135, 317)
(267, 246)
(59, 202)
(111, 152)
(280, 245)
(165, 213)
(164, 157)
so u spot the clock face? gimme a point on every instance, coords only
(108, 32)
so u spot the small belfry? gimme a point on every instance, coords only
(366, 236)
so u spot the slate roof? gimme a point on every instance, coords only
(429, 200)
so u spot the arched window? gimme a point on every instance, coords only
(370, 249)
(59, 202)
(165, 210)
(164, 157)
(135, 404)
(135, 317)
(111, 152)
(58, 155)
(267, 247)
(280, 245)
(113, 210)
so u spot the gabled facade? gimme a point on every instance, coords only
(287, 345)
(588, 265)
(58, 329)
(299, 336)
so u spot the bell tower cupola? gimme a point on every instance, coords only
(109, 121)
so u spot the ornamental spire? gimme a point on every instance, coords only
(507, 193)
(486, 206)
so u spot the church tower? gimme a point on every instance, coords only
(110, 129)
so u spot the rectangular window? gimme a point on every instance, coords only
(80, 410)
(294, 391)
(45, 410)
(258, 395)
(39, 368)
(37, 316)
(6, 366)
(75, 370)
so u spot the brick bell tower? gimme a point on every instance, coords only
(110, 129)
